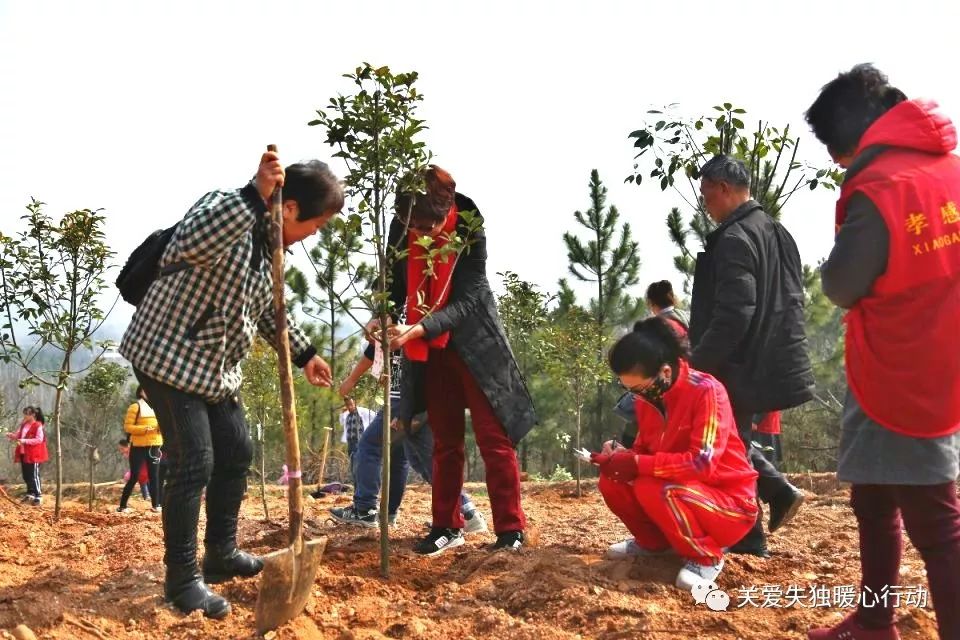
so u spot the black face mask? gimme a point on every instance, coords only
(654, 392)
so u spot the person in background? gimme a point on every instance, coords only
(685, 484)
(143, 478)
(31, 452)
(354, 420)
(145, 442)
(896, 255)
(766, 433)
(663, 303)
(747, 324)
(412, 446)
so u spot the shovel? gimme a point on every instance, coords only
(288, 574)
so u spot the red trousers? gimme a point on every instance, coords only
(696, 520)
(451, 389)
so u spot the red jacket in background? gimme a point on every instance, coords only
(903, 370)
(33, 447)
(697, 439)
(770, 424)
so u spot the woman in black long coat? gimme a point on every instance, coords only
(458, 358)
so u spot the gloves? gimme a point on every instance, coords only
(620, 465)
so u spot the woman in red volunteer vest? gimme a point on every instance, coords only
(895, 265)
(686, 484)
(31, 451)
(457, 358)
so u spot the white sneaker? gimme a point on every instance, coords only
(156, 509)
(630, 549)
(694, 573)
(476, 524)
(124, 510)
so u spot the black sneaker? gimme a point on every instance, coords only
(349, 515)
(439, 540)
(510, 540)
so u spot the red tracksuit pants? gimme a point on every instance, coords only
(451, 389)
(698, 521)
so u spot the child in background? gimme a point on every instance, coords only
(31, 451)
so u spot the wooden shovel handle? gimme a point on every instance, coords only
(295, 484)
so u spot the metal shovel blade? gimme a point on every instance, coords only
(286, 582)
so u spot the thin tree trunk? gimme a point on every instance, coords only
(263, 472)
(579, 472)
(93, 462)
(59, 452)
(323, 456)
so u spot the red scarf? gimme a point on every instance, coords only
(428, 293)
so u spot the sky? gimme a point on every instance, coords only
(140, 108)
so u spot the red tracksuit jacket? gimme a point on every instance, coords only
(697, 439)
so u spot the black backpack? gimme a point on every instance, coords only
(143, 266)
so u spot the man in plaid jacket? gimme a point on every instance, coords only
(186, 342)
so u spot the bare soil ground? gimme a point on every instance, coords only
(99, 575)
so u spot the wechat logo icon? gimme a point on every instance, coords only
(709, 593)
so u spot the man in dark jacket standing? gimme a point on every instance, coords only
(746, 323)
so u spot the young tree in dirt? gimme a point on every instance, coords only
(94, 413)
(523, 311)
(51, 277)
(261, 400)
(572, 366)
(376, 133)
(612, 263)
(333, 274)
(680, 145)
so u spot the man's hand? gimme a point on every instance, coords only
(318, 372)
(401, 334)
(269, 175)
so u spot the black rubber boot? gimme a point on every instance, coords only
(223, 563)
(186, 590)
(755, 542)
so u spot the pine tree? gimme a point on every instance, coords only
(611, 261)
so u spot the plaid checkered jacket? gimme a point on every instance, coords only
(195, 326)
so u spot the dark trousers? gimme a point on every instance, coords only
(140, 456)
(208, 446)
(770, 482)
(931, 515)
(31, 477)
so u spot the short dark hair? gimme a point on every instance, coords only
(314, 187)
(661, 294)
(651, 344)
(848, 105)
(433, 205)
(724, 168)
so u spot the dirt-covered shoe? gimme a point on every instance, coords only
(475, 523)
(694, 573)
(349, 515)
(630, 549)
(784, 506)
(509, 540)
(438, 540)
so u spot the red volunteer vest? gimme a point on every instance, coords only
(31, 453)
(903, 339)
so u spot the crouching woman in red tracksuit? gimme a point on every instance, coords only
(686, 483)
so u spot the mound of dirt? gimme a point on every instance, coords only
(99, 575)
